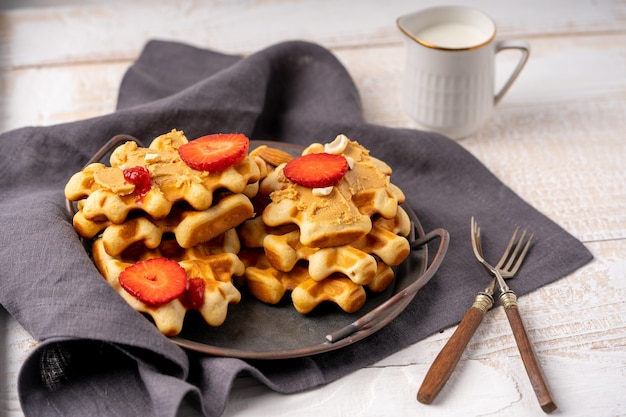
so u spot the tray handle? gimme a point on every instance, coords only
(409, 291)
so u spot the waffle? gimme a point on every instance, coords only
(345, 214)
(269, 285)
(189, 227)
(359, 261)
(104, 194)
(214, 262)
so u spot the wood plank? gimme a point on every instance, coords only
(118, 31)
(564, 159)
(51, 95)
(15, 345)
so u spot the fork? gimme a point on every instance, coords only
(447, 359)
(508, 299)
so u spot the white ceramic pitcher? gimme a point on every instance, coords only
(449, 76)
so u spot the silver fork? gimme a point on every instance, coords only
(508, 299)
(445, 362)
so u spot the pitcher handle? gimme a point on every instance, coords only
(524, 48)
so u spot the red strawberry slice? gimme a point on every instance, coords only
(316, 170)
(155, 282)
(140, 177)
(193, 297)
(215, 153)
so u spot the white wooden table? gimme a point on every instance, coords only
(558, 139)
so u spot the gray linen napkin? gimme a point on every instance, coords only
(98, 357)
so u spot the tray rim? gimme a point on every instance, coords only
(364, 325)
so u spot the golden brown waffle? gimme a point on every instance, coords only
(359, 261)
(343, 215)
(104, 194)
(215, 262)
(189, 227)
(269, 285)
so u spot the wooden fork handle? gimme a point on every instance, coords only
(535, 374)
(446, 360)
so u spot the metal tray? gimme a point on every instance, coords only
(255, 330)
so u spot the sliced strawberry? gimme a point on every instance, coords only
(215, 153)
(193, 297)
(155, 282)
(140, 177)
(316, 170)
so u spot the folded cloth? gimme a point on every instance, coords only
(98, 357)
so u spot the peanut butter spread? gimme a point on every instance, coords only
(344, 214)
(105, 193)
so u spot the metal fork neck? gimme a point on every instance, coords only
(501, 283)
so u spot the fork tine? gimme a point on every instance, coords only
(507, 251)
(475, 234)
(477, 237)
(513, 254)
(512, 258)
(522, 255)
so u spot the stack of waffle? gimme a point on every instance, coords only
(178, 214)
(326, 243)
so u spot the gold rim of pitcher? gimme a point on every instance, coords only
(442, 48)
